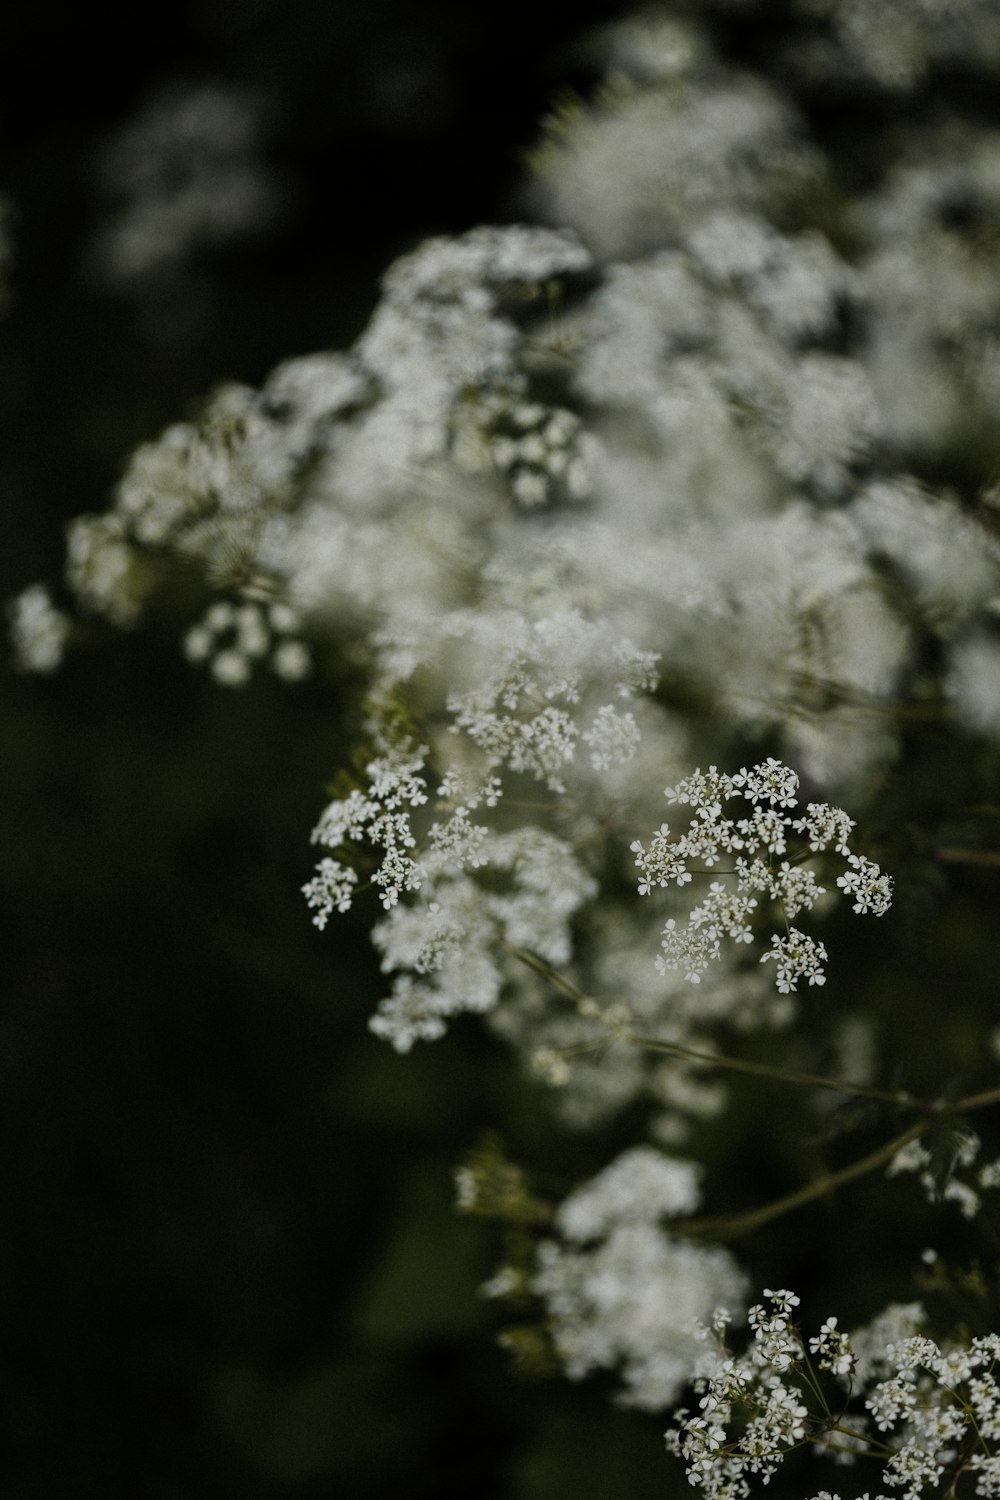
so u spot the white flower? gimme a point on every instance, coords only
(770, 781)
(825, 826)
(796, 957)
(690, 951)
(38, 630)
(641, 1186)
(872, 891)
(833, 1349)
(662, 863)
(331, 889)
(753, 844)
(631, 1300)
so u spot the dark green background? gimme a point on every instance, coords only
(229, 1262)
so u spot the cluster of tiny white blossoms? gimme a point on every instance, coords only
(666, 363)
(622, 1292)
(757, 1387)
(185, 174)
(895, 44)
(541, 451)
(38, 630)
(918, 1407)
(232, 638)
(764, 863)
(380, 817)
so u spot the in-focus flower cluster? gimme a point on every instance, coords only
(919, 1408)
(757, 1391)
(759, 858)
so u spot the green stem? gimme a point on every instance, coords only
(971, 1101)
(872, 1448)
(713, 1059)
(769, 1070)
(734, 1225)
(532, 961)
(812, 1381)
(982, 857)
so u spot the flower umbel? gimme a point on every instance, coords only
(754, 846)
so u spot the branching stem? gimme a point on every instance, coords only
(592, 1008)
(770, 1070)
(733, 1226)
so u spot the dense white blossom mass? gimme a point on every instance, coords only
(920, 1409)
(588, 506)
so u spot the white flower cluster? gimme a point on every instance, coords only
(620, 1290)
(476, 890)
(716, 401)
(546, 498)
(38, 630)
(671, 152)
(379, 816)
(754, 846)
(920, 1407)
(593, 1082)
(690, 407)
(542, 451)
(233, 637)
(758, 1385)
(941, 1408)
(453, 950)
(893, 43)
(533, 685)
(184, 175)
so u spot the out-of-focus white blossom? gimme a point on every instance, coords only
(232, 638)
(669, 149)
(640, 1186)
(973, 683)
(892, 44)
(623, 1293)
(38, 630)
(942, 1181)
(183, 176)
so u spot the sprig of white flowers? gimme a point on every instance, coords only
(916, 1407)
(754, 845)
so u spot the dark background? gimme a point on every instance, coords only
(229, 1262)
